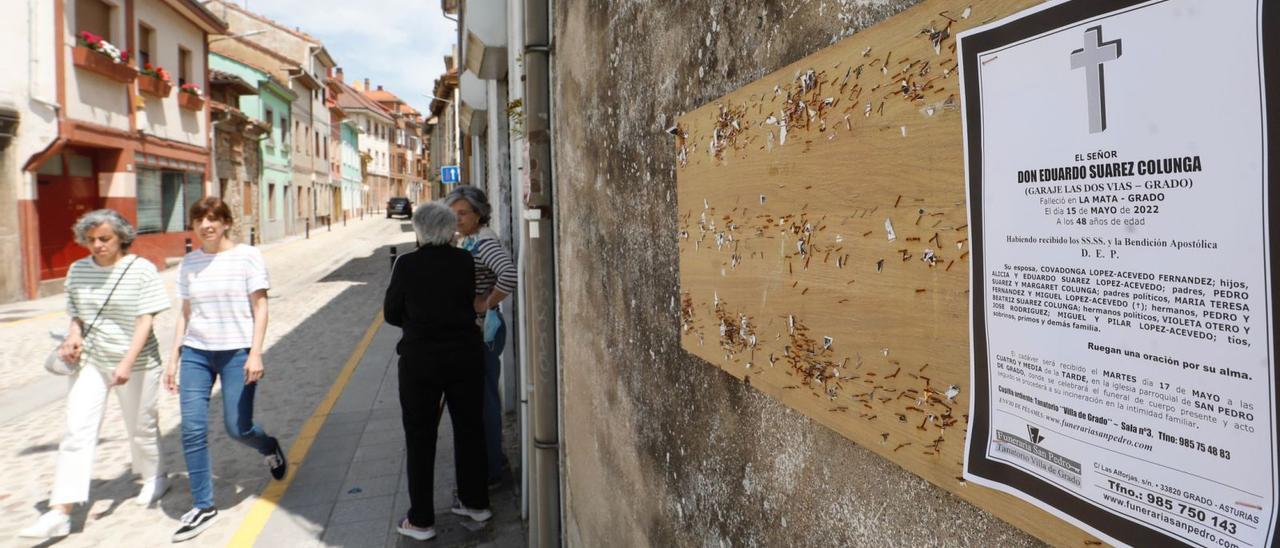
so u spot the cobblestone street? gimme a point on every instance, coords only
(326, 292)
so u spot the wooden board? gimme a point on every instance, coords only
(788, 190)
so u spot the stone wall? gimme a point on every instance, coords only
(660, 448)
(238, 160)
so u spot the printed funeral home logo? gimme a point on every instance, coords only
(1030, 451)
(1033, 434)
(1091, 58)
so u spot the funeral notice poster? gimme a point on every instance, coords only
(1120, 163)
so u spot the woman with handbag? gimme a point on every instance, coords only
(112, 298)
(495, 280)
(220, 334)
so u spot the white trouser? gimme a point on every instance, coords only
(86, 403)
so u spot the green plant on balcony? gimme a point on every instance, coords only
(155, 81)
(97, 43)
(190, 97)
(96, 55)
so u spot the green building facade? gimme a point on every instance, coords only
(271, 105)
(352, 182)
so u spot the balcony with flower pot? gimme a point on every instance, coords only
(190, 97)
(154, 81)
(96, 55)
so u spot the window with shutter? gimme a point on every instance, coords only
(95, 16)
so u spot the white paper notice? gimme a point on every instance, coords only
(1123, 372)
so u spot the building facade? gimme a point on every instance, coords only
(406, 146)
(445, 147)
(270, 106)
(395, 137)
(374, 125)
(337, 206)
(128, 140)
(237, 158)
(29, 120)
(352, 185)
(312, 133)
(271, 71)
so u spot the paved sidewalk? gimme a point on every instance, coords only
(350, 490)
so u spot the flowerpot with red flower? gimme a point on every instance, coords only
(99, 56)
(154, 81)
(190, 97)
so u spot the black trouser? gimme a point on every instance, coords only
(459, 377)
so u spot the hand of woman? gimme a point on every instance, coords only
(481, 304)
(121, 374)
(171, 377)
(253, 370)
(69, 350)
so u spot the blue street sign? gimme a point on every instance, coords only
(449, 174)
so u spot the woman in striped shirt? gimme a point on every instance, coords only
(220, 333)
(112, 298)
(495, 280)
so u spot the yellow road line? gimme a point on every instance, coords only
(256, 520)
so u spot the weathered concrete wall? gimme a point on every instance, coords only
(661, 448)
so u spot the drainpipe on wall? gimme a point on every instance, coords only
(457, 125)
(540, 298)
(515, 91)
(33, 59)
(33, 69)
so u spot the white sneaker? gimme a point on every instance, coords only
(152, 490)
(409, 530)
(51, 524)
(476, 514)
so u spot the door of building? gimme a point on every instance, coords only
(64, 192)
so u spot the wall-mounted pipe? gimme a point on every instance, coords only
(540, 296)
(33, 58)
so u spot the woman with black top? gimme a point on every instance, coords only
(431, 297)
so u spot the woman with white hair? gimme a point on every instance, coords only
(112, 298)
(495, 280)
(430, 298)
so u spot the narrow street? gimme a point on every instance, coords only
(813, 273)
(329, 395)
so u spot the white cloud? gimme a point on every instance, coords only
(400, 44)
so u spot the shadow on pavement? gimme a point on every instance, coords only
(81, 513)
(36, 449)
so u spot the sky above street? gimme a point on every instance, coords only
(400, 44)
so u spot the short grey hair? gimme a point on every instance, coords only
(434, 224)
(110, 217)
(473, 195)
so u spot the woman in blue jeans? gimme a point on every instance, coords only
(495, 280)
(223, 288)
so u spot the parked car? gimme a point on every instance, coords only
(399, 206)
